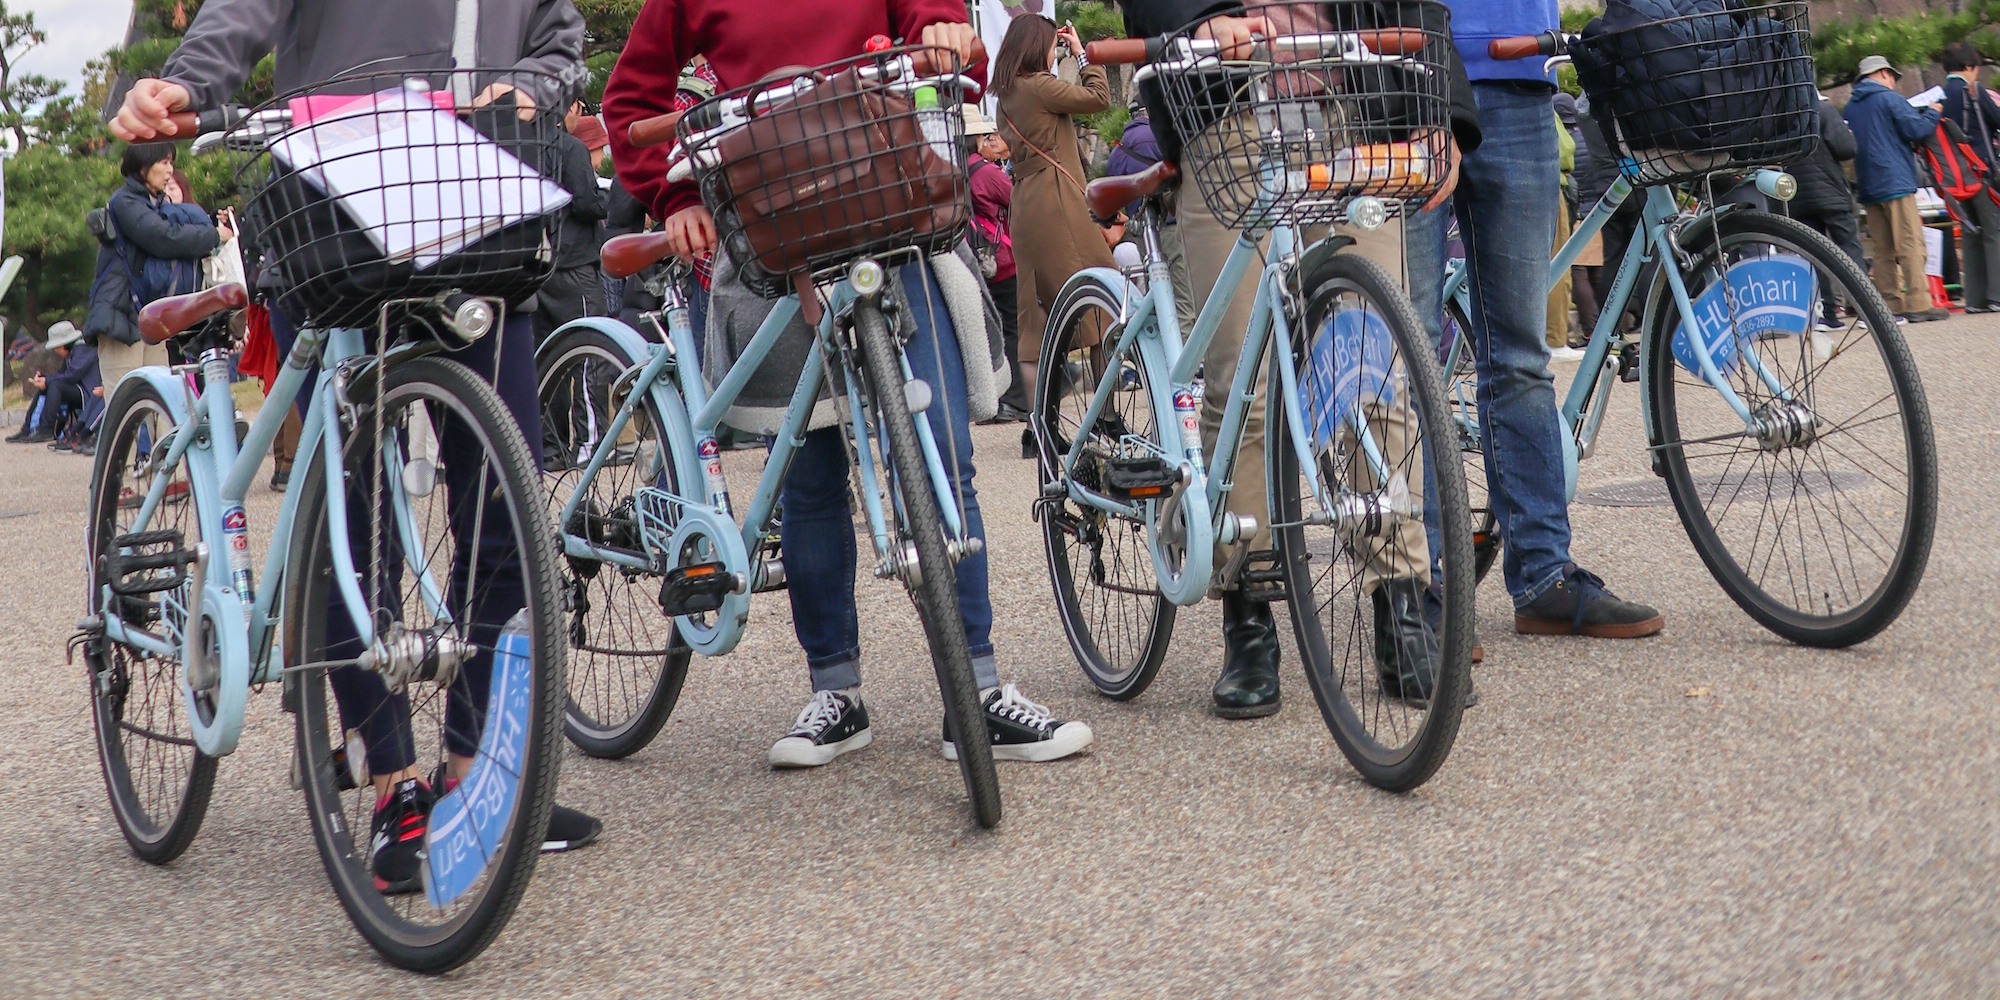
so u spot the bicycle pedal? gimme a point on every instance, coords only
(157, 561)
(1628, 363)
(1262, 579)
(1140, 477)
(696, 589)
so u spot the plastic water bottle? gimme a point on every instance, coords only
(936, 129)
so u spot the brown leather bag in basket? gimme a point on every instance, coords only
(837, 171)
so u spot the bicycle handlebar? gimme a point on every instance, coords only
(1548, 44)
(659, 129)
(1133, 51)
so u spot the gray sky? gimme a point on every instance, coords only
(79, 30)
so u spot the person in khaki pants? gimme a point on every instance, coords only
(1885, 126)
(1248, 685)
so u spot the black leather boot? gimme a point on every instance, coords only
(1406, 651)
(1248, 687)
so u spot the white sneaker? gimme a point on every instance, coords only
(1023, 730)
(829, 725)
(1565, 354)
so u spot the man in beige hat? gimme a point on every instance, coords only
(1885, 171)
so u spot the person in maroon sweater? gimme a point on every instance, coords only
(738, 37)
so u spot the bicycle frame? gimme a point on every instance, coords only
(1662, 220)
(1150, 329)
(241, 619)
(692, 415)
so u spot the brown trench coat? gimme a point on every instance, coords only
(1053, 234)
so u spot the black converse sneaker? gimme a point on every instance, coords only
(397, 842)
(831, 724)
(1023, 730)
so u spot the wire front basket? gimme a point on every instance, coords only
(389, 186)
(1347, 99)
(847, 166)
(1686, 97)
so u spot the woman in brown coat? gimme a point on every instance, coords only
(1052, 231)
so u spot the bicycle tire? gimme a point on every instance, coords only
(1120, 658)
(605, 660)
(446, 390)
(1865, 618)
(1347, 703)
(936, 594)
(156, 835)
(1462, 381)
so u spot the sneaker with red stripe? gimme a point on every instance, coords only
(401, 819)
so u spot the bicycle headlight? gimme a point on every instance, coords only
(866, 277)
(1777, 185)
(1367, 213)
(473, 318)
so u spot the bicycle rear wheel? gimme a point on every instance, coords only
(158, 781)
(1117, 622)
(1385, 457)
(935, 588)
(627, 661)
(1820, 525)
(453, 553)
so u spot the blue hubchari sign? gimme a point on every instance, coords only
(1348, 367)
(469, 825)
(1759, 298)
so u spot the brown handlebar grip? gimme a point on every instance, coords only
(1116, 51)
(1394, 41)
(920, 60)
(1507, 49)
(655, 131)
(186, 124)
(164, 319)
(627, 255)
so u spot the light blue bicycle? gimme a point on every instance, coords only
(657, 563)
(1779, 400)
(411, 575)
(1364, 494)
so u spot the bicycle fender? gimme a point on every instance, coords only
(1318, 256)
(666, 396)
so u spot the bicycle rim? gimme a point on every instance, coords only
(1117, 622)
(626, 660)
(158, 781)
(504, 708)
(936, 594)
(1372, 535)
(1822, 542)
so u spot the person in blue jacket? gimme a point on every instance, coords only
(1506, 208)
(1885, 170)
(68, 395)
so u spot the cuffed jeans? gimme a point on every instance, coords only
(1506, 205)
(817, 530)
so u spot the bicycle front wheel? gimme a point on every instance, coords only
(1375, 536)
(1817, 521)
(159, 782)
(932, 581)
(454, 559)
(1118, 623)
(626, 660)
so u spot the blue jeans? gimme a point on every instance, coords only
(817, 533)
(1506, 204)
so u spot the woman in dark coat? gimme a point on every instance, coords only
(139, 229)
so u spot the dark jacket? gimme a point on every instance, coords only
(1823, 187)
(1884, 126)
(622, 213)
(134, 212)
(1976, 117)
(1137, 149)
(1148, 18)
(580, 238)
(79, 369)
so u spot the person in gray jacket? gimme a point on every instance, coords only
(538, 47)
(1825, 200)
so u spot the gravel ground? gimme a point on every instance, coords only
(1711, 812)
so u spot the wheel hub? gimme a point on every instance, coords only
(1778, 426)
